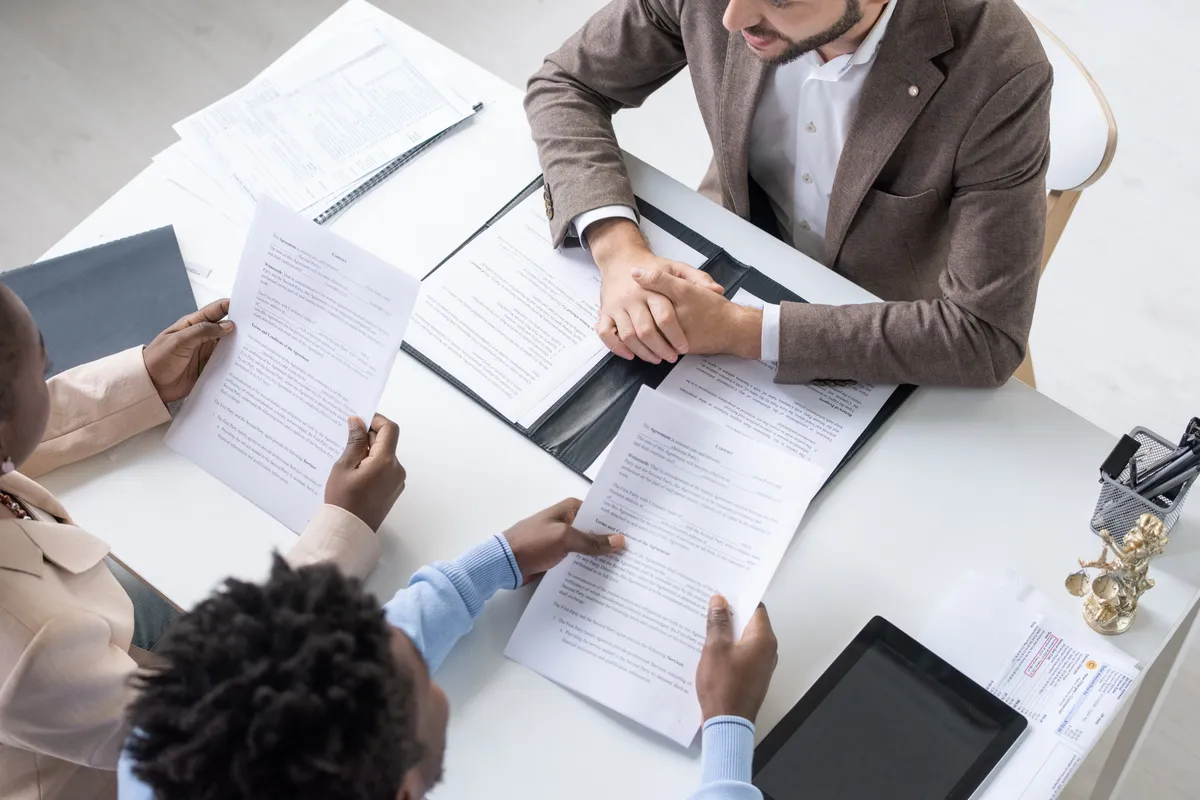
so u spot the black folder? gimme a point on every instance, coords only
(105, 299)
(586, 419)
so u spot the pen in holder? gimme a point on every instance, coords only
(1119, 507)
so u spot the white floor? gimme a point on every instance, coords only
(88, 91)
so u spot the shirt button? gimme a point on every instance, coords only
(914, 90)
(811, 128)
(804, 225)
(806, 178)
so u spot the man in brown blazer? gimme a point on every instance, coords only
(902, 143)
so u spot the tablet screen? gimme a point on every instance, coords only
(889, 725)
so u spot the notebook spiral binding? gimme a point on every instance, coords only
(385, 172)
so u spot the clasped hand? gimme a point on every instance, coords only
(656, 309)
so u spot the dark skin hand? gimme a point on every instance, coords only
(177, 356)
(733, 677)
(367, 479)
(542, 541)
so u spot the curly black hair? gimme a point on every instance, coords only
(286, 689)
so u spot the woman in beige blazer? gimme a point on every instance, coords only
(66, 624)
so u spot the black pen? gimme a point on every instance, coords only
(1185, 451)
(1181, 466)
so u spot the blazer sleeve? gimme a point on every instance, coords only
(67, 693)
(977, 332)
(94, 407)
(335, 535)
(619, 58)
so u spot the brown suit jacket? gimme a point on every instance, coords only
(939, 203)
(65, 622)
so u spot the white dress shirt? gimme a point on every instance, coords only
(796, 139)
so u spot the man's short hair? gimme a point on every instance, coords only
(286, 689)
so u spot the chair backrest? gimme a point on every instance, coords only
(1083, 131)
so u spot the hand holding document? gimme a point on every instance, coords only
(319, 322)
(1065, 679)
(704, 510)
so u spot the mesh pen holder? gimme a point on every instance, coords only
(1119, 508)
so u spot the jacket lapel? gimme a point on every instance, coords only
(741, 87)
(30, 491)
(889, 105)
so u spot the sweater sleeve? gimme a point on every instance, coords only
(442, 600)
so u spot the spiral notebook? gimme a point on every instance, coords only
(385, 172)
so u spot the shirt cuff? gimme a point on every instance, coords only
(727, 750)
(580, 224)
(770, 332)
(484, 570)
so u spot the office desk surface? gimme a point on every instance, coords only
(958, 480)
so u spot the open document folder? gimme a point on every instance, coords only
(1066, 679)
(510, 320)
(319, 323)
(704, 510)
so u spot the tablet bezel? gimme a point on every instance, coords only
(1012, 723)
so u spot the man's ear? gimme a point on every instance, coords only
(411, 788)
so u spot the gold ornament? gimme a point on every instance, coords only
(1112, 596)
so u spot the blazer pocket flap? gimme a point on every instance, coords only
(900, 204)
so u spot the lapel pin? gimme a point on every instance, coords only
(914, 90)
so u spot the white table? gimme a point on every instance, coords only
(963, 479)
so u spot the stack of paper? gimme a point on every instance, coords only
(315, 125)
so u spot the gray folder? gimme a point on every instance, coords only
(105, 299)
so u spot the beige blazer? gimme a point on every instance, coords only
(65, 622)
(939, 202)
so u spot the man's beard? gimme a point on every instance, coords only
(834, 32)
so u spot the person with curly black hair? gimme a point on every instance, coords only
(75, 625)
(302, 688)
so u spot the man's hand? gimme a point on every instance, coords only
(633, 321)
(732, 678)
(711, 323)
(367, 479)
(542, 541)
(177, 355)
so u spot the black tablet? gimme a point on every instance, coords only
(887, 719)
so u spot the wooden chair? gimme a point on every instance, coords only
(1083, 140)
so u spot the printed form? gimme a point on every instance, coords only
(319, 323)
(1067, 682)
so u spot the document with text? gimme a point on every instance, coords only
(514, 319)
(704, 510)
(818, 422)
(319, 323)
(1067, 681)
(315, 127)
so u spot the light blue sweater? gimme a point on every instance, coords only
(440, 606)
